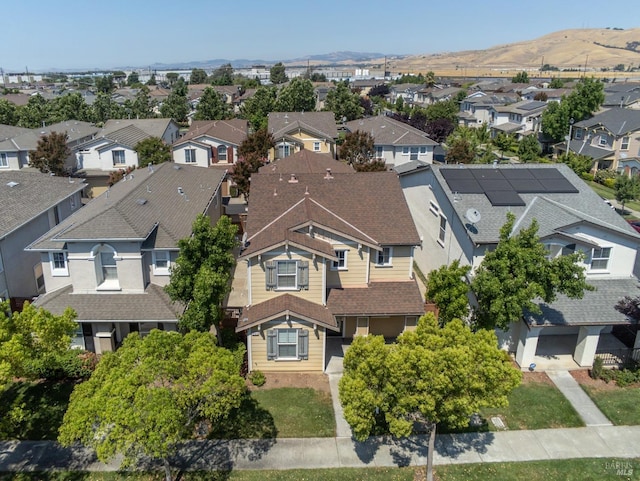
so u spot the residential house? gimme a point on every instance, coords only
(325, 254)
(110, 260)
(625, 95)
(408, 92)
(294, 131)
(16, 143)
(395, 141)
(611, 138)
(32, 203)
(305, 161)
(431, 95)
(519, 119)
(475, 109)
(549, 95)
(459, 211)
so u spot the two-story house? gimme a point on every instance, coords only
(395, 142)
(32, 203)
(475, 109)
(325, 254)
(110, 260)
(460, 210)
(521, 118)
(294, 131)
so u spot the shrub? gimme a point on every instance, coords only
(257, 378)
(611, 183)
(602, 175)
(587, 177)
(72, 364)
(596, 370)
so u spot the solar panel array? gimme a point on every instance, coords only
(503, 186)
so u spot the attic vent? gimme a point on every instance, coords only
(328, 174)
(293, 179)
(12, 184)
(141, 201)
(180, 191)
(177, 167)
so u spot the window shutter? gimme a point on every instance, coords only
(303, 344)
(303, 275)
(230, 155)
(272, 344)
(214, 154)
(270, 275)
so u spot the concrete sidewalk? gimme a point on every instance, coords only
(584, 406)
(544, 444)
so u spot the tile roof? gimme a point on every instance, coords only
(284, 305)
(618, 121)
(232, 131)
(596, 307)
(305, 161)
(33, 194)
(153, 305)
(378, 298)
(135, 208)
(283, 123)
(388, 131)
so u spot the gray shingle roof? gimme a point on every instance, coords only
(135, 208)
(618, 121)
(388, 131)
(28, 140)
(583, 147)
(34, 194)
(153, 127)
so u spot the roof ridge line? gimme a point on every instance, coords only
(585, 216)
(343, 220)
(516, 224)
(277, 218)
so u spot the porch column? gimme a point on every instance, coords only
(588, 338)
(527, 345)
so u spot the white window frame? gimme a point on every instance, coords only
(442, 230)
(384, 258)
(289, 331)
(414, 152)
(190, 156)
(102, 283)
(4, 160)
(284, 150)
(598, 257)
(604, 140)
(434, 208)
(72, 202)
(423, 149)
(578, 134)
(624, 143)
(222, 153)
(58, 258)
(294, 287)
(162, 256)
(379, 151)
(119, 157)
(405, 150)
(341, 263)
(316, 146)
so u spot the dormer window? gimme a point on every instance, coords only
(58, 262)
(384, 257)
(106, 269)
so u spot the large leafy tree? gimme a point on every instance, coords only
(198, 76)
(391, 387)
(35, 113)
(297, 96)
(243, 169)
(344, 103)
(105, 84)
(447, 288)
(143, 105)
(529, 149)
(626, 188)
(447, 109)
(439, 129)
(518, 272)
(146, 398)
(520, 78)
(8, 112)
(257, 144)
(460, 151)
(504, 143)
(51, 153)
(358, 151)
(212, 106)
(202, 274)
(70, 106)
(152, 150)
(31, 340)
(223, 75)
(257, 108)
(580, 164)
(133, 79)
(176, 106)
(277, 74)
(104, 108)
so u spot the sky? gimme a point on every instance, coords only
(43, 35)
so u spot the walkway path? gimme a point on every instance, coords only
(586, 408)
(335, 353)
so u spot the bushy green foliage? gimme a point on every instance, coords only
(56, 366)
(152, 150)
(603, 174)
(257, 378)
(447, 289)
(622, 377)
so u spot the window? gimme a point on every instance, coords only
(383, 257)
(341, 263)
(283, 151)
(4, 161)
(118, 157)
(578, 134)
(287, 344)
(414, 153)
(72, 204)
(379, 152)
(222, 153)
(109, 269)
(287, 275)
(59, 264)
(190, 156)
(161, 263)
(604, 140)
(405, 150)
(316, 146)
(624, 145)
(423, 149)
(106, 268)
(600, 258)
(286, 272)
(443, 229)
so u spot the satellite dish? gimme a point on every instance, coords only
(473, 216)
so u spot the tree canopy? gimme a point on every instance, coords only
(515, 274)
(448, 289)
(176, 105)
(344, 103)
(390, 387)
(198, 76)
(51, 153)
(143, 105)
(151, 394)
(529, 149)
(152, 150)
(627, 188)
(298, 96)
(358, 151)
(202, 273)
(520, 78)
(277, 74)
(460, 151)
(256, 109)
(223, 75)
(212, 106)
(257, 143)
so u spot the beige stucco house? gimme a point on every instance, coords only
(295, 131)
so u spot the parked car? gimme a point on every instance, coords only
(635, 224)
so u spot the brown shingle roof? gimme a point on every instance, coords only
(378, 298)
(283, 305)
(232, 131)
(322, 123)
(305, 161)
(388, 131)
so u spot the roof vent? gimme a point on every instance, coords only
(177, 167)
(293, 179)
(328, 174)
(180, 191)
(12, 184)
(141, 201)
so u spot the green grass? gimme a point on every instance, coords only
(608, 193)
(33, 411)
(620, 405)
(536, 406)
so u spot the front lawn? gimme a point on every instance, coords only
(609, 193)
(619, 404)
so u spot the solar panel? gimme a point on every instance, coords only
(504, 197)
(547, 174)
(517, 174)
(559, 186)
(457, 173)
(494, 184)
(487, 174)
(527, 186)
(465, 186)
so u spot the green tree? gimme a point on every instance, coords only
(152, 80)
(202, 275)
(460, 151)
(31, 340)
(257, 144)
(70, 106)
(504, 142)
(297, 96)
(556, 83)
(390, 387)
(580, 164)
(172, 77)
(198, 76)
(142, 107)
(176, 106)
(242, 171)
(152, 150)
(119, 77)
(555, 120)
(51, 153)
(430, 79)
(256, 109)
(223, 75)
(627, 189)
(518, 272)
(447, 288)
(105, 84)
(212, 106)
(277, 74)
(529, 149)
(133, 79)
(104, 108)
(8, 112)
(358, 150)
(447, 109)
(520, 78)
(35, 113)
(344, 103)
(150, 395)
